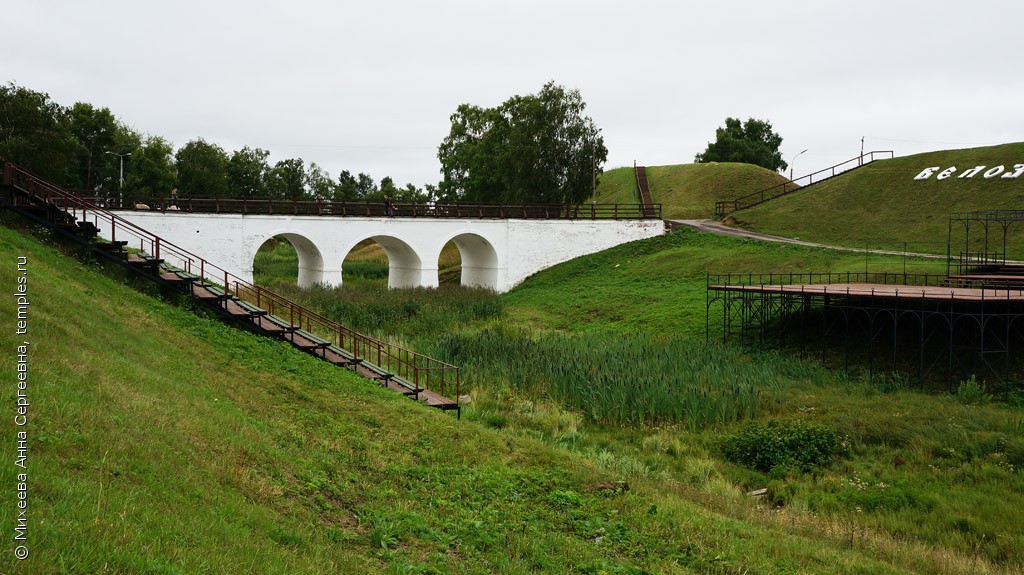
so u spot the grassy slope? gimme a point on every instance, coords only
(166, 443)
(687, 191)
(917, 449)
(902, 490)
(659, 285)
(882, 205)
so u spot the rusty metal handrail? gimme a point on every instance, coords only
(424, 372)
(420, 370)
(778, 190)
(367, 208)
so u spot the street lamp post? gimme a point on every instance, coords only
(120, 157)
(791, 165)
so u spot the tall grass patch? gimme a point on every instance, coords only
(408, 313)
(640, 379)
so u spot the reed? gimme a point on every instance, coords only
(636, 380)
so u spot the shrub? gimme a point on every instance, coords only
(971, 392)
(565, 498)
(802, 445)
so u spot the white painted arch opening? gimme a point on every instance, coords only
(311, 259)
(479, 260)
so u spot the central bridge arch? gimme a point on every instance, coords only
(479, 259)
(405, 267)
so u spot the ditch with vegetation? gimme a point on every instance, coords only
(617, 370)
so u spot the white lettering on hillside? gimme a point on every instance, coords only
(988, 174)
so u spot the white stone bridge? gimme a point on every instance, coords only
(496, 253)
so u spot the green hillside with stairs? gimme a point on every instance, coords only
(687, 191)
(883, 205)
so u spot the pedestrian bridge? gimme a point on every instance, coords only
(496, 253)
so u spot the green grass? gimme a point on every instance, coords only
(881, 205)
(687, 191)
(567, 367)
(163, 442)
(659, 285)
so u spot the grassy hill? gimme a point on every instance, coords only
(883, 205)
(162, 442)
(687, 191)
(659, 285)
(626, 343)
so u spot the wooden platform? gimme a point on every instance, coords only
(883, 291)
(1011, 281)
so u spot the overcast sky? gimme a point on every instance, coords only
(369, 86)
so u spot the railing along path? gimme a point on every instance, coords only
(778, 190)
(423, 371)
(898, 284)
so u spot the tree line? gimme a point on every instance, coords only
(84, 147)
(537, 148)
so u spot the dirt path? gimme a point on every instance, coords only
(715, 227)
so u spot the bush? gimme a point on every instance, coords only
(971, 392)
(802, 445)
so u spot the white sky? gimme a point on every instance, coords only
(369, 86)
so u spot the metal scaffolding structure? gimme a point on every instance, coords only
(986, 239)
(920, 325)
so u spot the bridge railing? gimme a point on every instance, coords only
(790, 186)
(425, 372)
(266, 206)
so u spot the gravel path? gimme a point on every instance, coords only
(715, 227)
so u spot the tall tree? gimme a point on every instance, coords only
(35, 134)
(345, 188)
(150, 169)
(387, 188)
(319, 183)
(752, 142)
(202, 169)
(96, 130)
(538, 148)
(365, 186)
(287, 180)
(247, 173)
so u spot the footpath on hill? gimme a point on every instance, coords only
(715, 227)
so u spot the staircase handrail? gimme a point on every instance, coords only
(789, 186)
(423, 371)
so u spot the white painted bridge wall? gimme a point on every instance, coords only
(497, 254)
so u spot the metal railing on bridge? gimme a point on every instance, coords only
(778, 190)
(267, 206)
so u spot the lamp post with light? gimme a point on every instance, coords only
(120, 157)
(791, 165)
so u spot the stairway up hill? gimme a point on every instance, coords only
(686, 191)
(252, 307)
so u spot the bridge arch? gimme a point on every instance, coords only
(405, 266)
(480, 265)
(311, 260)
